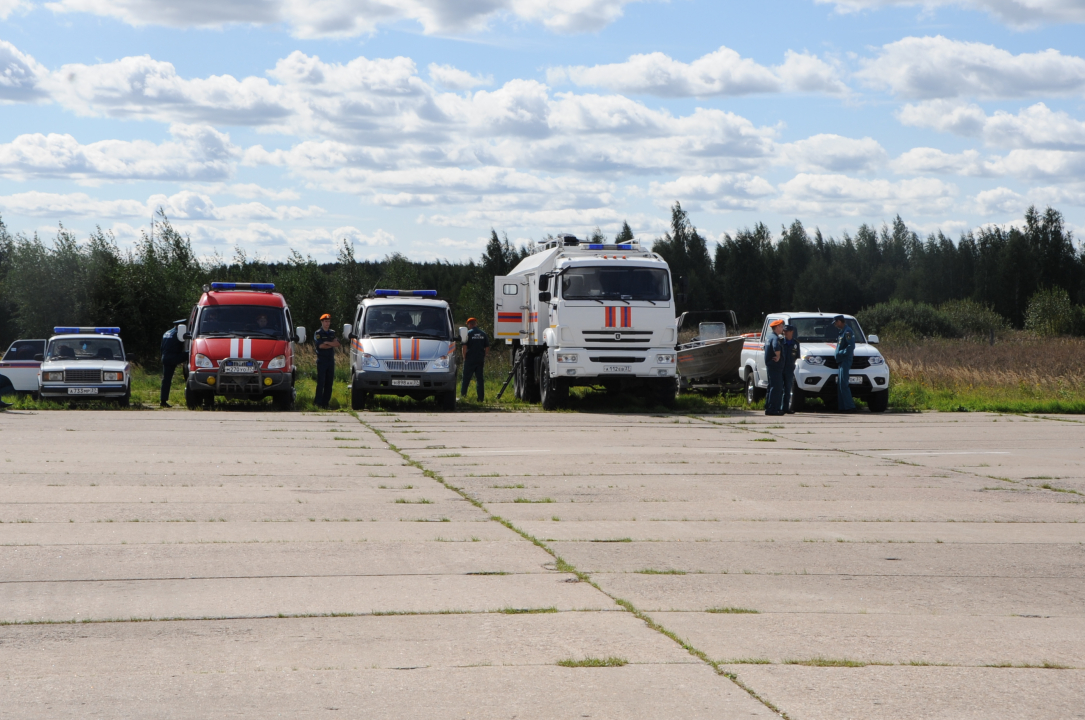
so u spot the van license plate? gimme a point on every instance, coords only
(245, 369)
(617, 368)
(855, 379)
(406, 383)
(82, 391)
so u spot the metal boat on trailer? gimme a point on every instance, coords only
(711, 359)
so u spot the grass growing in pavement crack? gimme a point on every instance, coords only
(650, 571)
(831, 662)
(595, 662)
(563, 567)
(733, 611)
(527, 611)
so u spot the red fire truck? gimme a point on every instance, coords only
(240, 341)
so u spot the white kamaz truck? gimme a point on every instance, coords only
(595, 314)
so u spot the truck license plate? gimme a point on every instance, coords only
(617, 368)
(82, 391)
(855, 379)
(406, 383)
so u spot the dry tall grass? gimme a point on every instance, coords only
(1018, 360)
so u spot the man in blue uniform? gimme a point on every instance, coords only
(845, 350)
(325, 342)
(774, 366)
(792, 353)
(475, 351)
(173, 354)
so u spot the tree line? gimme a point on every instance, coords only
(144, 288)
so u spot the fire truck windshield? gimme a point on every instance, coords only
(242, 320)
(615, 283)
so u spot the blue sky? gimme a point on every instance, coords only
(417, 125)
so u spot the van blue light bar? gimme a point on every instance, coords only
(623, 247)
(259, 287)
(86, 331)
(595, 246)
(415, 293)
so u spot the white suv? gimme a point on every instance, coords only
(816, 370)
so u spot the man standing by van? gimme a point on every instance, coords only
(173, 354)
(325, 342)
(475, 351)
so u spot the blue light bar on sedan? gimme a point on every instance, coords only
(415, 293)
(86, 331)
(595, 246)
(259, 287)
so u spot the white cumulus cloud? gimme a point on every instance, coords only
(455, 79)
(1017, 13)
(197, 152)
(717, 192)
(834, 153)
(722, 72)
(938, 67)
(20, 74)
(836, 194)
(350, 18)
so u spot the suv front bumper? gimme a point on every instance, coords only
(818, 378)
(380, 382)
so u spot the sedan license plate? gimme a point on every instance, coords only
(617, 368)
(855, 379)
(406, 383)
(82, 391)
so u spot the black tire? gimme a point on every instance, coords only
(798, 400)
(553, 392)
(878, 402)
(358, 398)
(753, 393)
(447, 401)
(680, 384)
(518, 376)
(193, 399)
(531, 382)
(665, 393)
(284, 401)
(125, 399)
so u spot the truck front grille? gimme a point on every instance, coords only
(616, 359)
(83, 376)
(406, 365)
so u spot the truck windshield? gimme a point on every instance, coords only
(409, 320)
(79, 348)
(615, 283)
(821, 329)
(242, 320)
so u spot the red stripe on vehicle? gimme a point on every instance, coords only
(396, 354)
(414, 349)
(610, 317)
(510, 317)
(627, 317)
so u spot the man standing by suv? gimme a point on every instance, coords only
(845, 350)
(475, 351)
(325, 342)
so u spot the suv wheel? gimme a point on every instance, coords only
(878, 402)
(753, 393)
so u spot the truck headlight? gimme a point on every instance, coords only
(815, 360)
(54, 376)
(876, 360)
(277, 363)
(112, 376)
(567, 357)
(443, 363)
(665, 359)
(202, 361)
(370, 361)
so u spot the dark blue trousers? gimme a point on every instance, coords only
(167, 380)
(325, 376)
(473, 368)
(774, 400)
(843, 388)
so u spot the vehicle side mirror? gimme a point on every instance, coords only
(463, 334)
(182, 332)
(544, 283)
(544, 297)
(346, 330)
(39, 356)
(872, 339)
(299, 335)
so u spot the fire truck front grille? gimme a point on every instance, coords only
(83, 376)
(616, 359)
(405, 365)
